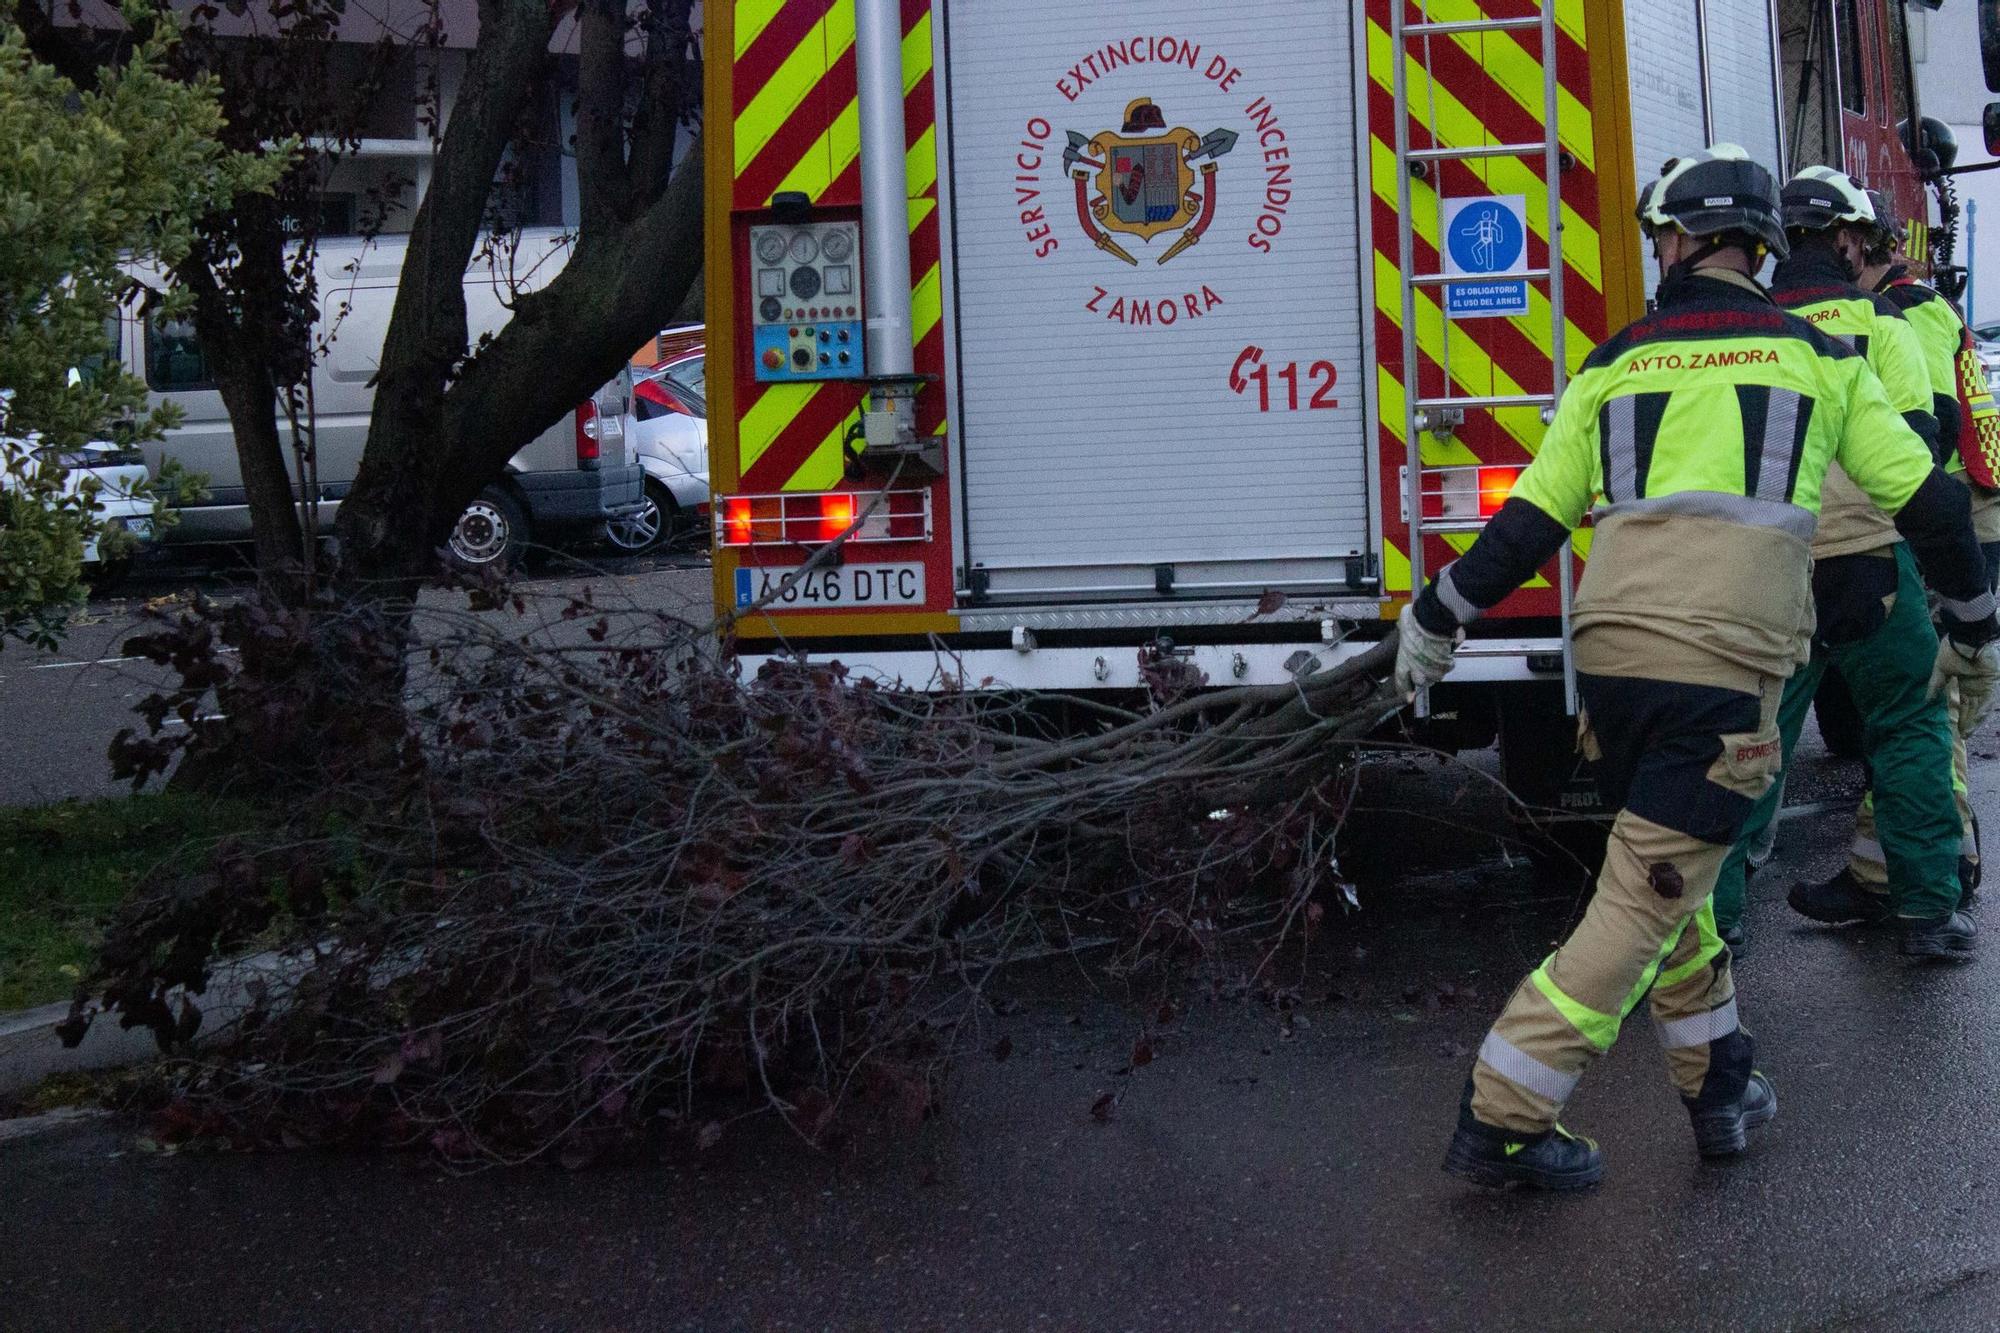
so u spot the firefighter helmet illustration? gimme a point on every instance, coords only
(1144, 178)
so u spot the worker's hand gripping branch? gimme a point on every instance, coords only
(1423, 658)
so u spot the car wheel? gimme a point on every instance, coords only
(492, 532)
(656, 523)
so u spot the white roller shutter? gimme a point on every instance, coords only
(1742, 92)
(1099, 434)
(1676, 98)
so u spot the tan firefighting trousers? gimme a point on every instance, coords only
(1686, 763)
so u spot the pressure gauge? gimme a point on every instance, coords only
(804, 248)
(805, 283)
(771, 246)
(838, 244)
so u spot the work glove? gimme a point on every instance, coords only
(1976, 671)
(1422, 658)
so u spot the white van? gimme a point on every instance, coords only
(570, 480)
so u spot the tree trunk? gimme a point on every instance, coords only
(254, 344)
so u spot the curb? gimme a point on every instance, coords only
(30, 1051)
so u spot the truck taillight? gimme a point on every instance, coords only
(589, 431)
(836, 516)
(1495, 485)
(797, 519)
(1466, 494)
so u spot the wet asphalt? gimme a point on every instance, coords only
(1262, 1172)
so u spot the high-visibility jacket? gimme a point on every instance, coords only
(1703, 434)
(1968, 418)
(1812, 285)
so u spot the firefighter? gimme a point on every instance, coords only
(1969, 436)
(1873, 620)
(1706, 428)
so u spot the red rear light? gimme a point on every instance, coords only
(808, 518)
(1495, 484)
(836, 516)
(1466, 494)
(588, 429)
(736, 523)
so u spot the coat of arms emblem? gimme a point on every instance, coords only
(1144, 177)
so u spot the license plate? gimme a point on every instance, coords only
(827, 589)
(140, 528)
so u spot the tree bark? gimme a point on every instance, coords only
(237, 335)
(386, 538)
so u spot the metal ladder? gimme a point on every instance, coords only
(1420, 414)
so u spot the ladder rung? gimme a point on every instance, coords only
(1447, 28)
(1482, 150)
(1489, 401)
(1440, 279)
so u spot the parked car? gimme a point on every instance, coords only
(123, 502)
(569, 480)
(669, 428)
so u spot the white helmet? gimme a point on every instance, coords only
(1820, 197)
(1714, 192)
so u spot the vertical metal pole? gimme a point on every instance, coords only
(1702, 61)
(885, 209)
(1971, 255)
(1784, 165)
(1558, 317)
(1413, 504)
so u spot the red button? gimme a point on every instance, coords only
(773, 359)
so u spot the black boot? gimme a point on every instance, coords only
(1968, 882)
(1840, 901)
(1719, 1130)
(1951, 937)
(1554, 1159)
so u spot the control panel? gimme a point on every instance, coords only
(806, 298)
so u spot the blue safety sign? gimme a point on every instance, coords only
(1486, 239)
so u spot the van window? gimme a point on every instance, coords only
(174, 359)
(1853, 75)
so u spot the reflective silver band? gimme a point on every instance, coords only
(1781, 430)
(1867, 849)
(1454, 600)
(1509, 1061)
(1750, 511)
(1700, 1029)
(1621, 440)
(1970, 612)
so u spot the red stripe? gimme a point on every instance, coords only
(801, 435)
(1584, 300)
(1503, 117)
(794, 24)
(795, 138)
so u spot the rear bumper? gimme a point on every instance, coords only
(579, 498)
(1480, 661)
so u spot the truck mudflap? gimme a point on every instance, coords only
(1029, 666)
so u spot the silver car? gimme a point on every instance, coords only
(669, 423)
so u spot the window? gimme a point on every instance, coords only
(174, 359)
(692, 376)
(1853, 74)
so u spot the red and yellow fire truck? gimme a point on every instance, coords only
(1106, 331)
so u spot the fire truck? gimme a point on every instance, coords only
(1106, 332)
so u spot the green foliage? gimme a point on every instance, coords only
(64, 867)
(89, 178)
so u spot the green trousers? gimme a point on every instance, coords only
(1906, 737)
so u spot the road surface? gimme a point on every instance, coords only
(1248, 1178)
